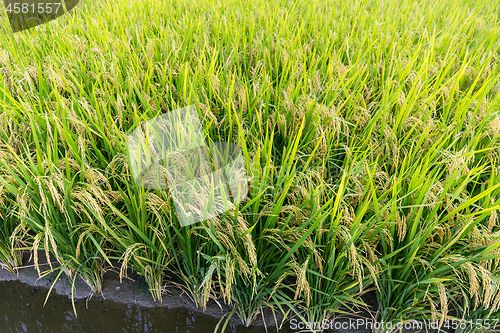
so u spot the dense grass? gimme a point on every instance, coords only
(370, 132)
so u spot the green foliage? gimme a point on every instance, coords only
(370, 133)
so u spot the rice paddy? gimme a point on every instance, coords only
(369, 130)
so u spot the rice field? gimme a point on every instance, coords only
(369, 130)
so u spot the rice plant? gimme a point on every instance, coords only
(369, 132)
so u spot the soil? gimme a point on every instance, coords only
(132, 293)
